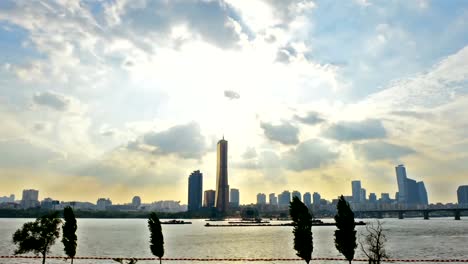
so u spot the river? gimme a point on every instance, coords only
(437, 238)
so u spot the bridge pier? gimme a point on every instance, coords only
(457, 214)
(426, 215)
(401, 215)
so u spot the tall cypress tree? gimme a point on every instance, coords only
(302, 221)
(69, 233)
(345, 235)
(156, 239)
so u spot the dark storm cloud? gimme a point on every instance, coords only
(231, 94)
(211, 20)
(284, 133)
(185, 141)
(52, 100)
(378, 150)
(311, 118)
(310, 154)
(356, 130)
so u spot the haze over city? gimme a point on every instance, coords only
(117, 99)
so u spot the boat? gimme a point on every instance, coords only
(176, 222)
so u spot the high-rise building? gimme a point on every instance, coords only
(422, 193)
(195, 190)
(462, 195)
(307, 199)
(234, 198)
(385, 198)
(356, 189)
(297, 194)
(284, 198)
(316, 197)
(209, 198)
(272, 199)
(30, 198)
(222, 185)
(402, 183)
(261, 198)
(362, 197)
(136, 201)
(372, 198)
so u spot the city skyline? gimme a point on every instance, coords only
(113, 99)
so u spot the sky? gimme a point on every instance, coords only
(114, 99)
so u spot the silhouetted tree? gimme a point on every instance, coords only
(38, 236)
(374, 243)
(157, 239)
(345, 235)
(302, 221)
(69, 233)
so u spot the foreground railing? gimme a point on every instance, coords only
(232, 259)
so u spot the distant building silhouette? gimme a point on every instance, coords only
(385, 198)
(402, 183)
(261, 198)
(284, 198)
(297, 194)
(356, 190)
(272, 199)
(222, 185)
(410, 192)
(30, 198)
(49, 203)
(195, 191)
(316, 197)
(7, 199)
(372, 198)
(209, 198)
(234, 197)
(307, 199)
(462, 195)
(136, 201)
(362, 197)
(103, 203)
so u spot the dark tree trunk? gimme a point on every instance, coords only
(72, 261)
(160, 261)
(43, 257)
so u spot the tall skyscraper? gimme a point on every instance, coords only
(30, 198)
(307, 199)
(209, 199)
(195, 190)
(356, 189)
(316, 197)
(422, 193)
(462, 195)
(234, 198)
(272, 199)
(297, 194)
(284, 198)
(261, 198)
(401, 180)
(362, 197)
(222, 185)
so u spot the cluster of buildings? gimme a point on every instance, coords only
(222, 198)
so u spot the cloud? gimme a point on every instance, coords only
(53, 100)
(310, 154)
(379, 150)
(311, 118)
(356, 130)
(213, 21)
(21, 153)
(231, 94)
(185, 141)
(284, 133)
(249, 153)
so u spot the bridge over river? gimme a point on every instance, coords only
(401, 212)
